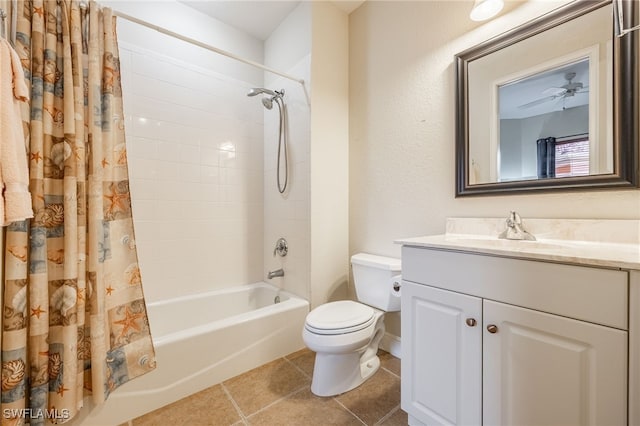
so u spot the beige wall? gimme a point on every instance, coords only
(313, 214)
(402, 165)
(329, 187)
(286, 215)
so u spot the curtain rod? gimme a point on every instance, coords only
(204, 45)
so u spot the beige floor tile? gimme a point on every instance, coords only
(304, 360)
(263, 385)
(211, 407)
(389, 362)
(296, 354)
(271, 382)
(398, 418)
(304, 408)
(375, 398)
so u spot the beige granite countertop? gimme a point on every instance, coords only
(605, 243)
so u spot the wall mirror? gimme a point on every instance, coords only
(552, 104)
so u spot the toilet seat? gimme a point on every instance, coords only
(340, 317)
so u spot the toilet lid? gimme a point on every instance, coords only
(340, 317)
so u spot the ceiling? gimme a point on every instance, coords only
(259, 18)
(538, 94)
(256, 18)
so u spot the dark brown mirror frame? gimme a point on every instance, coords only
(625, 104)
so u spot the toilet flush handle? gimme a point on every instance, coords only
(396, 286)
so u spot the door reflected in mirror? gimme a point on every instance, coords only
(544, 126)
(550, 86)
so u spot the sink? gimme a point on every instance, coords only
(492, 242)
(593, 242)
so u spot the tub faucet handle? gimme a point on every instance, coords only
(281, 248)
(514, 219)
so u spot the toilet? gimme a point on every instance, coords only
(345, 334)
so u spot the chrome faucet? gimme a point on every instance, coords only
(276, 273)
(514, 230)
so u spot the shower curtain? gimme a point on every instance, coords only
(75, 321)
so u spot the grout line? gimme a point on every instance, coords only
(245, 419)
(235, 404)
(391, 372)
(299, 369)
(349, 411)
(389, 414)
(300, 389)
(334, 398)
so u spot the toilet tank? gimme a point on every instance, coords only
(374, 277)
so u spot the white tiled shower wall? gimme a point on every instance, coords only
(288, 48)
(287, 215)
(195, 150)
(202, 155)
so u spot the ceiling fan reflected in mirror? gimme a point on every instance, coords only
(568, 90)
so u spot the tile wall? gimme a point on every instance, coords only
(195, 149)
(287, 215)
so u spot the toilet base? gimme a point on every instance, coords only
(344, 361)
(335, 374)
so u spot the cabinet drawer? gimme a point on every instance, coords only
(589, 294)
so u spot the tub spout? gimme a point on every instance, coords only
(276, 273)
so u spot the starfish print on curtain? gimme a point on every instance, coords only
(75, 320)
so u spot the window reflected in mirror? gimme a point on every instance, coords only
(566, 156)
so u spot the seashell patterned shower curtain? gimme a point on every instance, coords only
(75, 321)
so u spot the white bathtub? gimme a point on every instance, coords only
(202, 340)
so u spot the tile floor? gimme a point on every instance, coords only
(278, 394)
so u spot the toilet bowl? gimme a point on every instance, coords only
(345, 334)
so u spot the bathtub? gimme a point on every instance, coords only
(203, 339)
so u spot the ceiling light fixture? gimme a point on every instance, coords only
(485, 9)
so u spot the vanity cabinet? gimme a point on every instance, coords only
(500, 341)
(441, 356)
(542, 369)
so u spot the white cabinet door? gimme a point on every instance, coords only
(541, 369)
(441, 356)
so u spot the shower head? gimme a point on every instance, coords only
(259, 90)
(268, 102)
